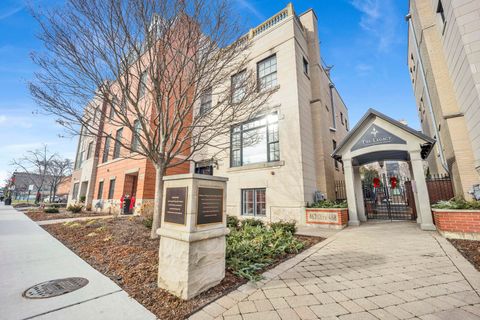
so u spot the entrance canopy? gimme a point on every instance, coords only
(378, 137)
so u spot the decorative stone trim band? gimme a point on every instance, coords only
(457, 224)
(193, 237)
(336, 218)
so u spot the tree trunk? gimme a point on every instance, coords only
(157, 203)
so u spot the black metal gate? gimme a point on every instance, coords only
(387, 198)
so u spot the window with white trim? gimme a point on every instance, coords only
(206, 101)
(239, 86)
(255, 141)
(254, 202)
(267, 73)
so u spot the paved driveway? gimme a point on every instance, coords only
(376, 271)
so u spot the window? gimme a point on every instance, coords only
(267, 73)
(80, 159)
(341, 118)
(238, 86)
(106, 150)
(123, 106)
(112, 108)
(305, 66)
(253, 202)
(255, 141)
(346, 124)
(136, 134)
(111, 189)
(143, 85)
(75, 191)
(206, 101)
(100, 190)
(117, 146)
(90, 150)
(204, 169)
(334, 145)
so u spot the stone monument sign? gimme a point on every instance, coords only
(192, 243)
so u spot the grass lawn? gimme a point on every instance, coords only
(122, 250)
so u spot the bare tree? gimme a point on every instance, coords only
(59, 170)
(175, 74)
(36, 164)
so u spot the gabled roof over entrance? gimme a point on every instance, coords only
(368, 134)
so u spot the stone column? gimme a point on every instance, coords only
(422, 199)
(415, 194)
(192, 243)
(359, 194)
(350, 190)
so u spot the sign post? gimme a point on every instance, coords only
(192, 243)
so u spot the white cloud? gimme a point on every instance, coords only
(3, 119)
(380, 20)
(10, 12)
(250, 7)
(363, 69)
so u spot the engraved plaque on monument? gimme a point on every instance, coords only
(210, 205)
(175, 205)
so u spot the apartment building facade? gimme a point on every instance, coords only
(274, 175)
(276, 163)
(444, 64)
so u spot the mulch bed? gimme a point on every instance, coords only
(39, 215)
(470, 249)
(122, 250)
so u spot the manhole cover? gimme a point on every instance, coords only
(54, 288)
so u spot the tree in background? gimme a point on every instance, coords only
(36, 164)
(174, 74)
(58, 171)
(42, 169)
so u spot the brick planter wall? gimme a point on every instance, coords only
(458, 224)
(336, 218)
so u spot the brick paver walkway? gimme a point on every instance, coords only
(376, 271)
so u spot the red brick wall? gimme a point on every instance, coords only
(342, 215)
(457, 221)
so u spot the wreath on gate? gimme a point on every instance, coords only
(376, 182)
(393, 182)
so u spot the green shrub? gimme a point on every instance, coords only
(287, 226)
(251, 248)
(252, 222)
(148, 222)
(75, 208)
(51, 210)
(457, 203)
(329, 204)
(232, 222)
(82, 199)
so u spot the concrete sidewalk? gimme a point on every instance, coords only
(29, 255)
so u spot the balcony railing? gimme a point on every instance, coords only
(276, 19)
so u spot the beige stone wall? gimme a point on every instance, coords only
(306, 131)
(440, 54)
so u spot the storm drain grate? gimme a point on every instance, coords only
(53, 288)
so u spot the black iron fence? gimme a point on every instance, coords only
(439, 188)
(340, 191)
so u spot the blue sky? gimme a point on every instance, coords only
(365, 41)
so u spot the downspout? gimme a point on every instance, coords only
(332, 105)
(427, 91)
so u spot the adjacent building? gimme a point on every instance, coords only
(444, 64)
(276, 163)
